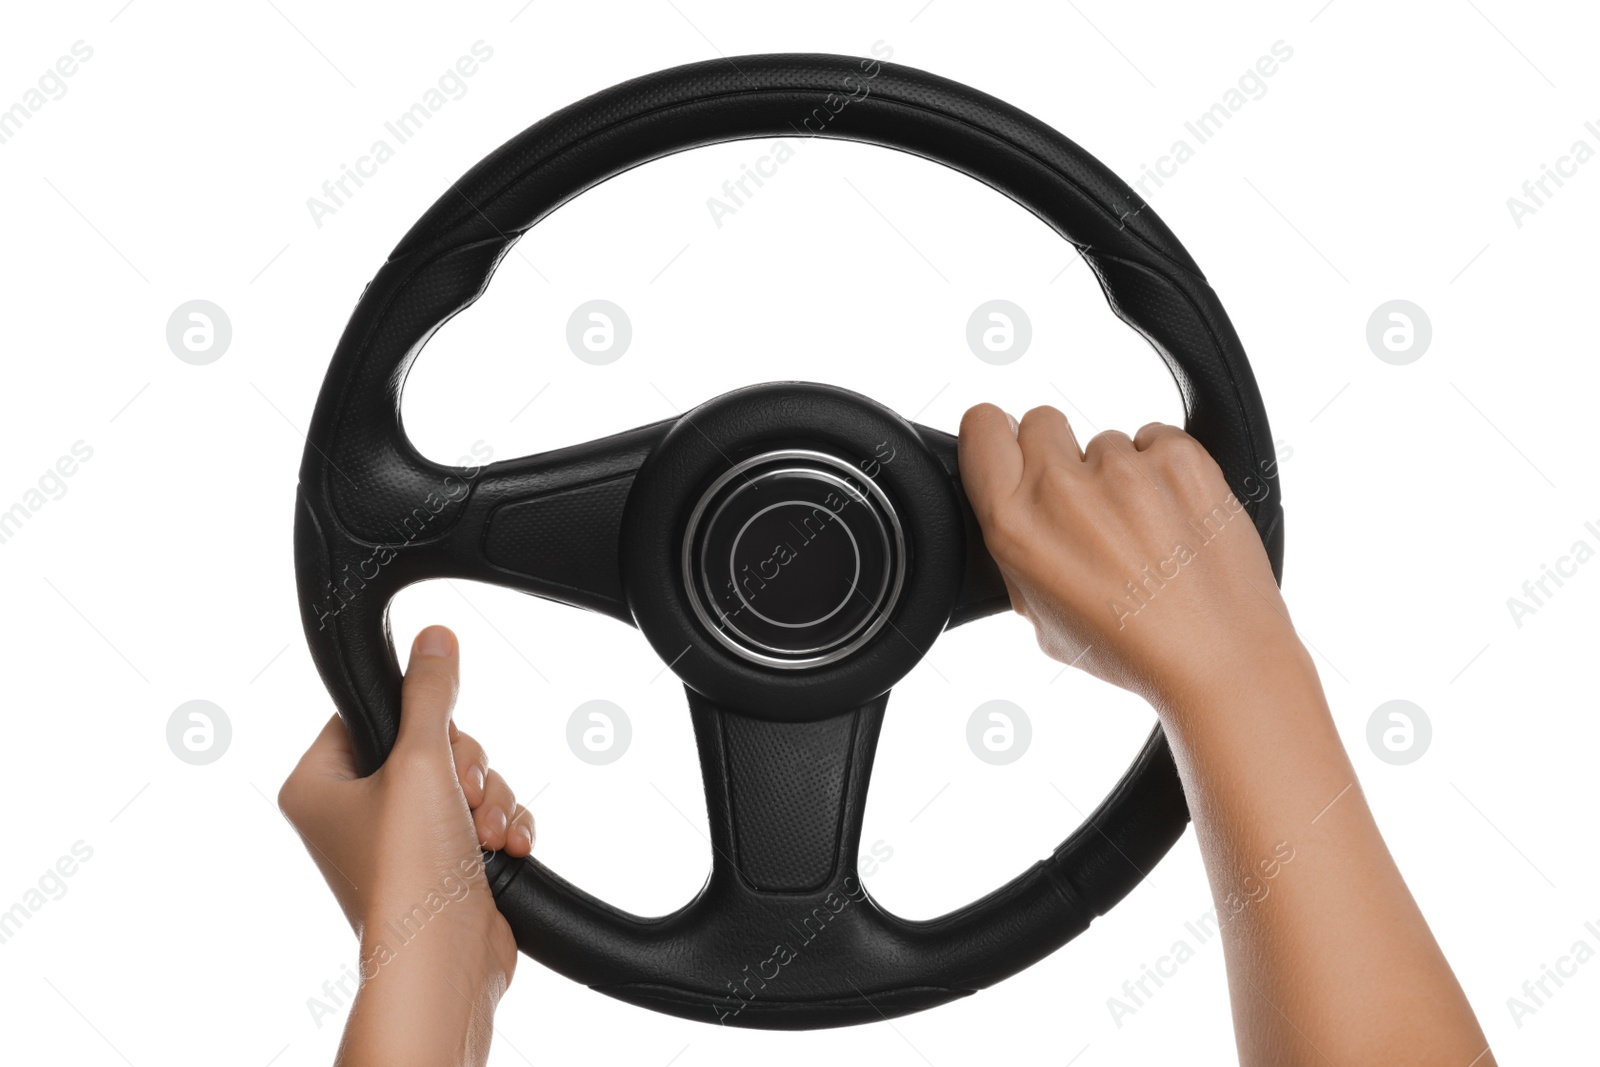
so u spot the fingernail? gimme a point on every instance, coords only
(435, 641)
(475, 777)
(497, 821)
(1013, 421)
(519, 837)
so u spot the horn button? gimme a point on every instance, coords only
(793, 559)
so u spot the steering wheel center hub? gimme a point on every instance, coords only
(792, 559)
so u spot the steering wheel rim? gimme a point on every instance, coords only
(374, 516)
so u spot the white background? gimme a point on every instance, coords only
(1376, 166)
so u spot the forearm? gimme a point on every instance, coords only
(1329, 957)
(418, 1004)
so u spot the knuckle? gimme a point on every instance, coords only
(290, 797)
(1043, 413)
(469, 752)
(1107, 441)
(980, 416)
(1057, 481)
(498, 789)
(1184, 459)
(1004, 532)
(1182, 448)
(409, 765)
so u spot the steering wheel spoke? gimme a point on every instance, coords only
(785, 799)
(547, 524)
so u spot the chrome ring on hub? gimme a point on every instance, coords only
(881, 592)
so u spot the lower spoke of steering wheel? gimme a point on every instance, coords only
(785, 799)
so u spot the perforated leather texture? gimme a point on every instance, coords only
(785, 790)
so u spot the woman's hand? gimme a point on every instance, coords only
(1131, 557)
(1134, 560)
(401, 851)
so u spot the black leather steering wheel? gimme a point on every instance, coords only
(678, 528)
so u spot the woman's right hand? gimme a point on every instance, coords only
(1131, 556)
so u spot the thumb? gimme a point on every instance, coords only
(428, 696)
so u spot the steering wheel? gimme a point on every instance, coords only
(791, 550)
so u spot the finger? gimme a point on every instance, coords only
(1151, 432)
(520, 835)
(472, 764)
(330, 758)
(991, 460)
(1046, 438)
(331, 754)
(493, 817)
(1108, 444)
(428, 695)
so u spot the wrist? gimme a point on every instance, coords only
(427, 993)
(465, 940)
(1273, 668)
